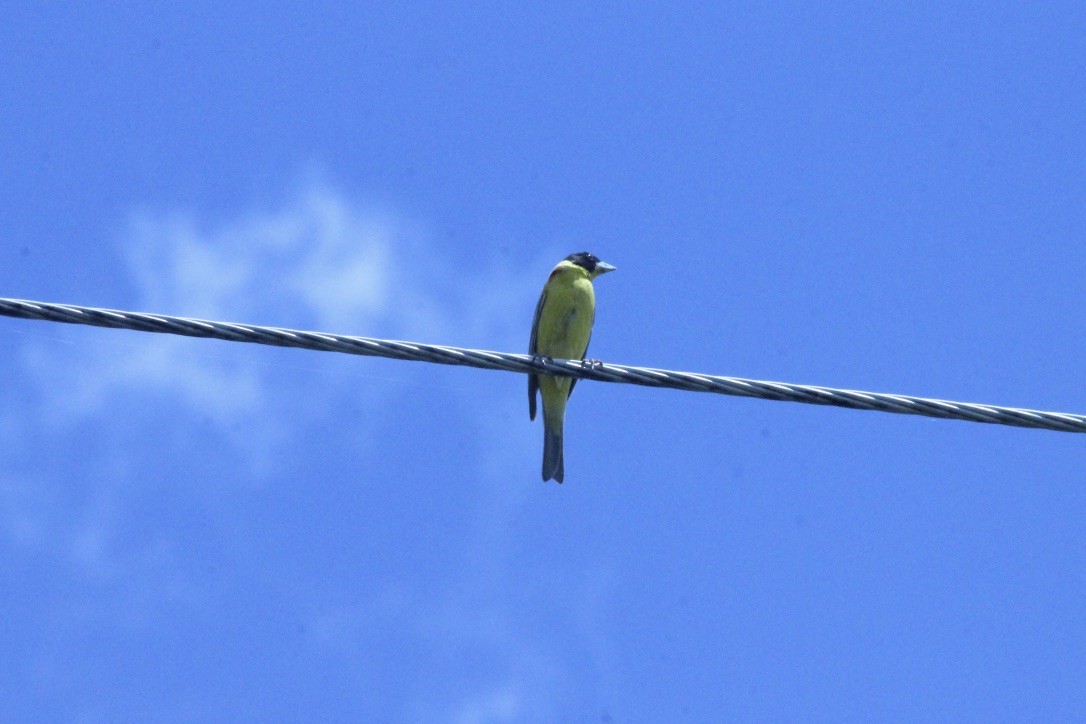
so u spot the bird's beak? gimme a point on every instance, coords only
(603, 267)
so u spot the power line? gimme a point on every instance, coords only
(483, 359)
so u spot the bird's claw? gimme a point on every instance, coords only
(542, 359)
(592, 364)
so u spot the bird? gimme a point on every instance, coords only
(561, 328)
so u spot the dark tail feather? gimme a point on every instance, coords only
(553, 466)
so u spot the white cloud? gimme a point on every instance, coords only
(321, 261)
(501, 704)
(318, 261)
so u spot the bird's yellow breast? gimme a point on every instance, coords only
(565, 322)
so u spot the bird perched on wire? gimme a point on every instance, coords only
(561, 329)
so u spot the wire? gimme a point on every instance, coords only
(483, 359)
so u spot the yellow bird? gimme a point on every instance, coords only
(561, 329)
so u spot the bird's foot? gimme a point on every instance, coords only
(592, 364)
(541, 359)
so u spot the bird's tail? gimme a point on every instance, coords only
(553, 466)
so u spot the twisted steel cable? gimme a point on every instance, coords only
(483, 359)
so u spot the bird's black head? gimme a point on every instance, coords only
(589, 263)
(584, 259)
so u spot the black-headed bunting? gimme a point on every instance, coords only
(561, 329)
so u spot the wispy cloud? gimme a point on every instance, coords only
(322, 261)
(318, 260)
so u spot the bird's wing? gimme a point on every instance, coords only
(533, 380)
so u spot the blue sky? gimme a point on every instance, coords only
(885, 197)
